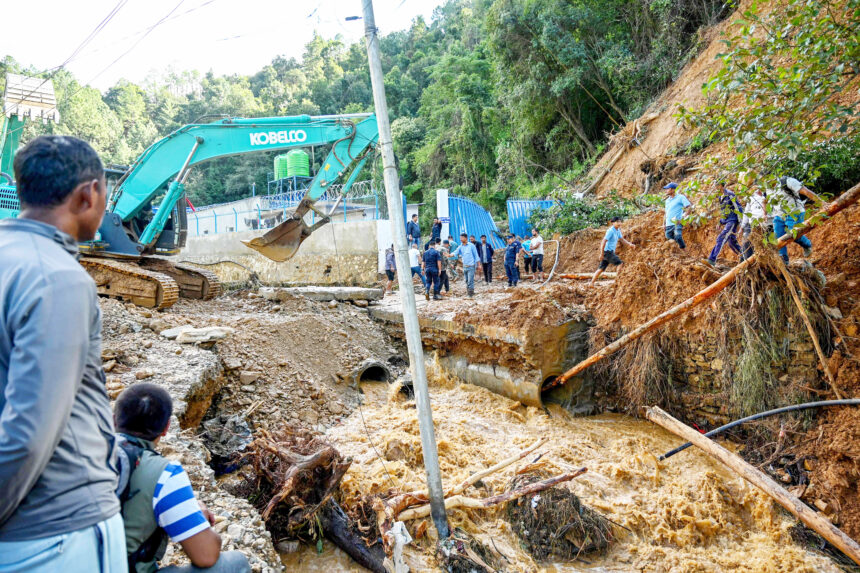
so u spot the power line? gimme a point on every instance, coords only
(99, 27)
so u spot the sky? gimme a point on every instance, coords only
(225, 36)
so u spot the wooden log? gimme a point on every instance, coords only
(794, 505)
(336, 528)
(472, 503)
(586, 276)
(845, 200)
(810, 329)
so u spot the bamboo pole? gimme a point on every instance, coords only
(472, 503)
(845, 200)
(474, 478)
(795, 506)
(586, 276)
(810, 329)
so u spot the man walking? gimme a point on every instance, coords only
(754, 215)
(415, 264)
(675, 205)
(788, 208)
(729, 208)
(468, 254)
(444, 250)
(390, 267)
(452, 268)
(537, 255)
(608, 246)
(485, 255)
(433, 269)
(58, 507)
(413, 231)
(435, 233)
(527, 255)
(512, 252)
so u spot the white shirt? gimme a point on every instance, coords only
(414, 258)
(754, 210)
(782, 203)
(536, 247)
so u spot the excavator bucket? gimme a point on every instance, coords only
(282, 242)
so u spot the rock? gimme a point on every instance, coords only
(332, 304)
(206, 334)
(832, 311)
(178, 351)
(249, 376)
(717, 364)
(287, 546)
(310, 417)
(851, 329)
(143, 374)
(110, 365)
(276, 308)
(232, 363)
(172, 333)
(159, 325)
(235, 531)
(361, 303)
(335, 407)
(248, 388)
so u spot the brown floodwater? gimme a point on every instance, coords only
(687, 514)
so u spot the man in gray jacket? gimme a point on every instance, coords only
(58, 507)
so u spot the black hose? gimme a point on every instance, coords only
(730, 425)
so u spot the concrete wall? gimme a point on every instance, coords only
(341, 253)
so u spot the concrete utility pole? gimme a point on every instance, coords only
(404, 280)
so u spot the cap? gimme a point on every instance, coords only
(671, 185)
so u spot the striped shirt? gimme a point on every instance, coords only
(174, 505)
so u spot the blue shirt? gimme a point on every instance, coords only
(527, 245)
(174, 506)
(431, 260)
(511, 251)
(467, 253)
(612, 236)
(675, 208)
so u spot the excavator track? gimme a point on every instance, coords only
(194, 282)
(129, 282)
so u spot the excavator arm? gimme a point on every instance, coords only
(128, 230)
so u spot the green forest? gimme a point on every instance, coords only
(491, 98)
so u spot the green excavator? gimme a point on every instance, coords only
(127, 258)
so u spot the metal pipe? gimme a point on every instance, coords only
(730, 425)
(404, 279)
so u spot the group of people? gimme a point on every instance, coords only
(438, 264)
(84, 487)
(778, 210)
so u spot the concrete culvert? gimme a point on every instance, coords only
(371, 371)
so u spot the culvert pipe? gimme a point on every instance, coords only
(371, 370)
(796, 407)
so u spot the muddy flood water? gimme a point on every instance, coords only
(685, 515)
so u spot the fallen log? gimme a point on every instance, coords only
(586, 276)
(843, 201)
(336, 528)
(795, 506)
(809, 328)
(472, 503)
(474, 478)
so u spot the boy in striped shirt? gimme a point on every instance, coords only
(160, 503)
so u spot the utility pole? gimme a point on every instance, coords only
(404, 280)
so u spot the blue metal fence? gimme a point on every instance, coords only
(468, 217)
(9, 205)
(519, 211)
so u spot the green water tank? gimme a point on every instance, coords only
(281, 166)
(298, 163)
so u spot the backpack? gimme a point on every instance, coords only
(128, 460)
(783, 182)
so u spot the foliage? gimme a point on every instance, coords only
(576, 213)
(780, 94)
(832, 164)
(490, 99)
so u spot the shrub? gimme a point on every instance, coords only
(575, 214)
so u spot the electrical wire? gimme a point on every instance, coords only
(99, 27)
(730, 425)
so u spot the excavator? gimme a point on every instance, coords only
(127, 258)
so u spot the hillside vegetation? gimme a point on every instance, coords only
(492, 98)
